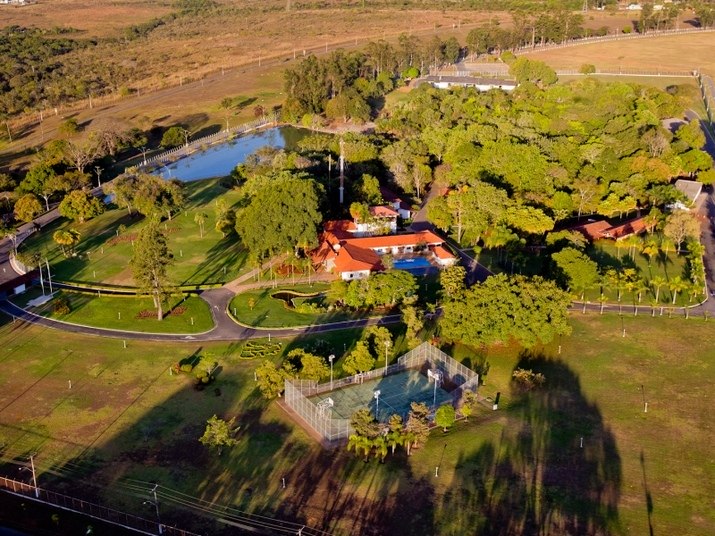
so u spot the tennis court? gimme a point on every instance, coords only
(397, 391)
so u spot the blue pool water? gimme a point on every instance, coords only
(220, 160)
(414, 263)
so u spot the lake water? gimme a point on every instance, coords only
(220, 160)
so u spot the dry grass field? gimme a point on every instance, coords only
(665, 53)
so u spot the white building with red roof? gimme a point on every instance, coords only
(353, 257)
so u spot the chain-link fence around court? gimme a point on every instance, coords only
(396, 392)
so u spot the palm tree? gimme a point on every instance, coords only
(360, 443)
(650, 248)
(634, 244)
(657, 282)
(201, 218)
(602, 300)
(676, 285)
(66, 239)
(380, 446)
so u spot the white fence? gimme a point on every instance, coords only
(599, 39)
(456, 379)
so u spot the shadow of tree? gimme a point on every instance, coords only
(539, 478)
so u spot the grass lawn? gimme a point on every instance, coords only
(126, 418)
(259, 308)
(103, 255)
(185, 314)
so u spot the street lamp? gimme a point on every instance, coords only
(330, 358)
(155, 504)
(143, 149)
(376, 394)
(437, 375)
(34, 476)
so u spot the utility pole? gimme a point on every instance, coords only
(155, 503)
(34, 476)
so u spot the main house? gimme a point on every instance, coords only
(347, 252)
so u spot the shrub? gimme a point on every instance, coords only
(187, 367)
(587, 68)
(527, 380)
(61, 306)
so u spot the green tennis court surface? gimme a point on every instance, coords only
(397, 392)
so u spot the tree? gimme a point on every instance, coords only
(81, 155)
(445, 416)
(81, 206)
(681, 225)
(528, 310)
(150, 260)
(201, 218)
(534, 71)
(39, 181)
(27, 208)
(281, 216)
(312, 367)
(677, 284)
(271, 379)
(580, 272)
(453, 281)
(395, 435)
(657, 282)
(66, 239)
(414, 321)
(359, 360)
(469, 402)
(527, 380)
(364, 423)
(417, 426)
(219, 434)
(173, 137)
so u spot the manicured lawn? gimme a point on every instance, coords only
(126, 418)
(188, 314)
(259, 308)
(104, 251)
(607, 255)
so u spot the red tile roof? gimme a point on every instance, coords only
(593, 230)
(383, 212)
(323, 253)
(635, 226)
(375, 242)
(353, 258)
(442, 253)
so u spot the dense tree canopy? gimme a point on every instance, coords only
(528, 310)
(281, 215)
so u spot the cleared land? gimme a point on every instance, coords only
(663, 53)
(126, 417)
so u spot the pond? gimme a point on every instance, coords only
(219, 160)
(287, 296)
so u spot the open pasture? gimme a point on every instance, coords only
(126, 418)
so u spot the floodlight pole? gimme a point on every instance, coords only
(376, 394)
(330, 358)
(437, 377)
(387, 345)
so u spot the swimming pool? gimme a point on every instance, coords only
(413, 263)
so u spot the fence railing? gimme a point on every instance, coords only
(604, 38)
(96, 511)
(297, 392)
(199, 144)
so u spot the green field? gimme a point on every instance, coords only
(502, 472)
(183, 314)
(104, 251)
